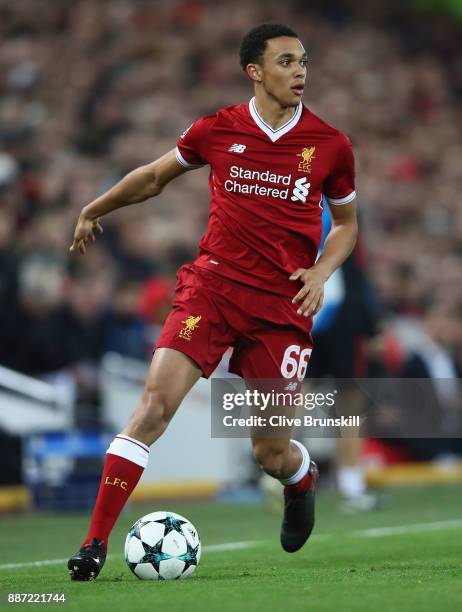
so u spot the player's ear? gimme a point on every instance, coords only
(254, 72)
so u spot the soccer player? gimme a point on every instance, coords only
(348, 318)
(254, 285)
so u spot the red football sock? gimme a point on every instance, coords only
(300, 487)
(125, 462)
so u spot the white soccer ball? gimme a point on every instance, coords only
(162, 546)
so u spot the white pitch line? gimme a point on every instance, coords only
(403, 529)
(32, 564)
(229, 546)
(363, 533)
(209, 548)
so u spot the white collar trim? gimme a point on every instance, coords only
(274, 135)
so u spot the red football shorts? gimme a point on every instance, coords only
(211, 313)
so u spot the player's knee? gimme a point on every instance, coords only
(152, 414)
(157, 408)
(270, 456)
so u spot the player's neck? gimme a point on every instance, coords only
(272, 112)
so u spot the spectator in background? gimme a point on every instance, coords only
(341, 330)
(88, 295)
(420, 349)
(155, 303)
(6, 254)
(433, 357)
(124, 331)
(33, 326)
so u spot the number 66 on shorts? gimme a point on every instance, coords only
(295, 362)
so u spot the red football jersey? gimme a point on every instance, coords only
(266, 191)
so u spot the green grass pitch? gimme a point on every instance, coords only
(344, 567)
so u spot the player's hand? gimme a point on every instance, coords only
(84, 233)
(311, 295)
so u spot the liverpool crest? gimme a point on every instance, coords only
(307, 156)
(190, 325)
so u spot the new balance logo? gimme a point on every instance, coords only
(301, 190)
(237, 148)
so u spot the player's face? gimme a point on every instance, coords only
(283, 70)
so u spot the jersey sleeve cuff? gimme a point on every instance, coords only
(346, 200)
(181, 160)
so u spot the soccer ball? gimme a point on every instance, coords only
(162, 546)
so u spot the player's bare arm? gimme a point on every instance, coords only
(137, 186)
(339, 244)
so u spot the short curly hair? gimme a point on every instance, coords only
(253, 44)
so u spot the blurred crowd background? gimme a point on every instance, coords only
(90, 89)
